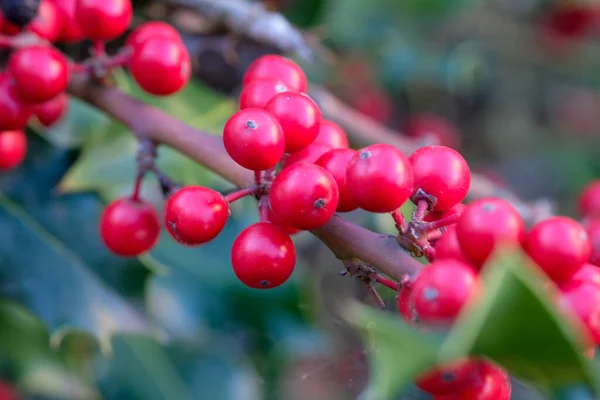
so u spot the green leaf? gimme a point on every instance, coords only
(516, 324)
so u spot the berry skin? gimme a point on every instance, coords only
(310, 154)
(305, 196)
(196, 215)
(486, 224)
(299, 116)
(103, 20)
(263, 256)
(559, 246)
(19, 12)
(161, 66)
(47, 24)
(149, 30)
(276, 67)
(581, 299)
(488, 382)
(259, 92)
(593, 230)
(433, 129)
(447, 378)
(458, 209)
(332, 134)
(275, 219)
(51, 111)
(129, 228)
(69, 32)
(336, 163)
(380, 178)
(589, 200)
(254, 139)
(40, 73)
(441, 290)
(14, 113)
(448, 247)
(440, 172)
(13, 148)
(589, 273)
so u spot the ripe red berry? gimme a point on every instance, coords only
(161, 66)
(581, 299)
(589, 273)
(458, 209)
(48, 23)
(433, 129)
(14, 113)
(440, 172)
(259, 92)
(332, 134)
(593, 230)
(559, 246)
(275, 219)
(336, 162)
(254, 139)
(589, 200)
(487, 224)
(447, 378)
(149, 30)
(448, 247)
(69, 32)
(49, 112)
(196, 215)
(304, 195)
(276, 67)
(299, 116)
(13, 148)
(129, 228)
(441, 290)
(310, 154)
(103, 20)
(380, 178)
(488, 382)
(263, 256)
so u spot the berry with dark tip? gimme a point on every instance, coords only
(447, 378)
(336, 162)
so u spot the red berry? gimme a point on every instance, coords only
(69, 32)
(310, 154)
(448, 247)
(441, 290)
(254, 139)
(13, 147)
(103, 20)
(458, 209)
(304, 195)
(447, 378)
(40, 73)
(161, 66)
(196, 215)
(559, 246)
(263, 256)
(332, 134)
(440, 172)
(487, 224)
(589, 273)
(593, 230)
(259, 92)
(488, 382)
(404, 302)
(299, 116)
(276, 67)
(149, 30)
(275, 219)
(129, 228)
(380, 178)
(14, 113)
(49, 112)
(581, 299)
(48, 22)
(589, 200)
(336, 162)
(433, 129)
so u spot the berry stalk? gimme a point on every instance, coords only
(232, 197)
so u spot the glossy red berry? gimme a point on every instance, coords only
(48, 23)
(581, 299)
(263, 256)
(259, 92)
(196, 215)
(589, 273)
(304, 195)
(589, 200)
(441, 290)
(448, 247)
(332, 134)
(559, 246)
(299, 116)
(276, 67)
(275, 219)
(448, 378)
(433, 130)
(40, 73)
(51, 111)
(380, 178)
(103, 20)
(440, 172)
(149, 30)
(457, 210)
(336, 162)
(310, 154)
(487, 224)
(14, 113)
(488, 382)
(69, 32)
(129, 228)
(593, 230)
(13, 148)
(161, 66)
(254, 139)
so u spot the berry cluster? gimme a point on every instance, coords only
(36, 76)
